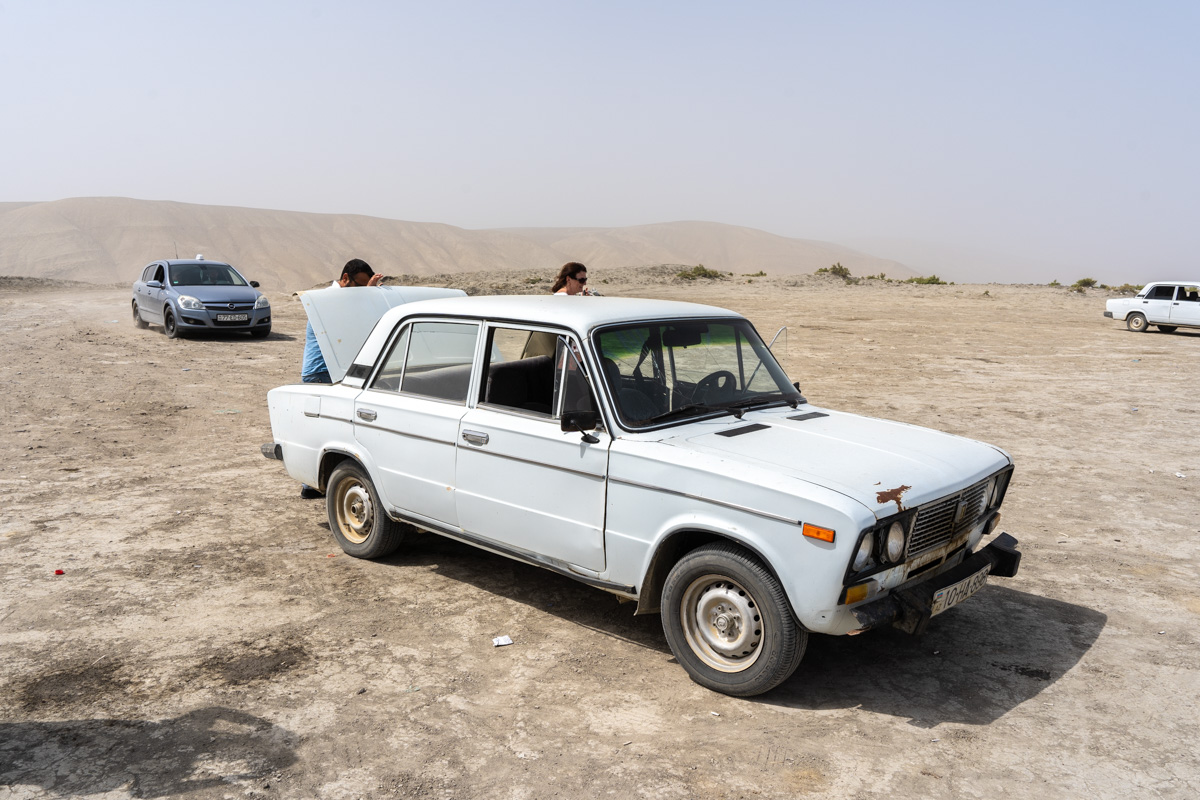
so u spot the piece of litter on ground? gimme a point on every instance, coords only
(500, 641)
(1135, 359)
(714, 713)
(1180, 475)
(626, 744)
(1133, 409)
(935, 740)
(187, 369)
(59, 572)
(113, 321)
(361, 691)
(227, 411)
(332, 555)
(1160, 633)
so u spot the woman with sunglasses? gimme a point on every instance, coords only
(572, 279)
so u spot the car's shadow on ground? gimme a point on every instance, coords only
(202, 749)
(975, 663)
(233, 336)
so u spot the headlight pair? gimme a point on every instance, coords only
(884, 545)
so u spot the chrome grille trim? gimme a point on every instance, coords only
(939, 521)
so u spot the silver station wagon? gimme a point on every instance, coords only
(199, 295)
(655, 450)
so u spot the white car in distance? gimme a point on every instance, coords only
(1168, 304)
(655, 450)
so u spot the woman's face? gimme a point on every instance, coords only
(577, 282)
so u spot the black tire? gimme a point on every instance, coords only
(356, 517)
(1168, 328)
(728, 622)
(138, 322)
(1136, 323)
(260, 333)
(170, 326)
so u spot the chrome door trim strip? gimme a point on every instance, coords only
(734, 506)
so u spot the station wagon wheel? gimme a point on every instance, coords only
(727, 620)
(137, 317)
(170, 326)
(357, 517)
(1136, 323)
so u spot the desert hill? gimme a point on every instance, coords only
(108, 239)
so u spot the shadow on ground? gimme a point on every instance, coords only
(975, 663)
(213, 747)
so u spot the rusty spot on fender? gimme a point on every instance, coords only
(893, 496)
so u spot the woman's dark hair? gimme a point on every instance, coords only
(569, 270)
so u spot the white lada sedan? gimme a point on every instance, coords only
(655, 450)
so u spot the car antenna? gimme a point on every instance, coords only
(176, 249)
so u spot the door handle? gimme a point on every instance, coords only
(367, 414)
(475, 437)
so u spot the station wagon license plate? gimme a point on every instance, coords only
(233, 317)
(955, 593)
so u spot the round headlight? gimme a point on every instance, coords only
(862, 558)
(894, 548)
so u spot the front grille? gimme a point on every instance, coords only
(224, 308)
(940, 521)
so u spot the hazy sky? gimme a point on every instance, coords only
(1059, 139)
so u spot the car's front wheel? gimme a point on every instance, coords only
(170, 326)
(137, 317)
(1168, 328)
(357, 517)
(727, 620)
(1136, 323)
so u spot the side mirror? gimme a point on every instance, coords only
(582, 421)
(153, 284)
(254, 284)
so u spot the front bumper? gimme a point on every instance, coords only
(191, 319)
(910, 608)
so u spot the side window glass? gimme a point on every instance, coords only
(439, 360)
(515, 375)
(572, 387)
(1162, 293)
(388, 378)
(160, 275)
(1189, 294)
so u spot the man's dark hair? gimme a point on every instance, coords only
(355, 266)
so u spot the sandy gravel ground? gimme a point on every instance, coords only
(207, 638)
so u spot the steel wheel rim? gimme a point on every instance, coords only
(355, 510)
(722, 623)
(1137, 324)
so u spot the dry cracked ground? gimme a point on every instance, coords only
(207, 639)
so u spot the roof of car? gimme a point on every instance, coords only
(175, 262)
(576, 312)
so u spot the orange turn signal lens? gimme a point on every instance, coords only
(856, 593)
(816, 532)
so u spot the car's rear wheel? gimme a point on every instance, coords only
(1168, 328)
(356, 517)
(170, 326)
(137, 317)
(1136, 323)
(260, 333)
(728, 622)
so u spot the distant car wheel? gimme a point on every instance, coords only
(1136, 323)
(356, 516)
(727, 620)
(260, 333)
(1168, 328)
(170, 326)
(137, 317)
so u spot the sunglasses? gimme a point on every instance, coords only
(580, 280)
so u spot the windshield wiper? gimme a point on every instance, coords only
(737, 412)
(764, 399)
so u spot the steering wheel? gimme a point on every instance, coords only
(721, 384)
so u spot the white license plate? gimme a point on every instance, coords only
(955, 593)
(233, 317)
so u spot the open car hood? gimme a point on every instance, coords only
(342, 318)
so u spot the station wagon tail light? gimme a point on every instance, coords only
(817, 532)
(190, 303)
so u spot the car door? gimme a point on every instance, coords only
(407, 419)
(1156, 305)
(1186, 308)
(523, 482)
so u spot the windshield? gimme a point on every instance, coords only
(205, 275)
(673, 371)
